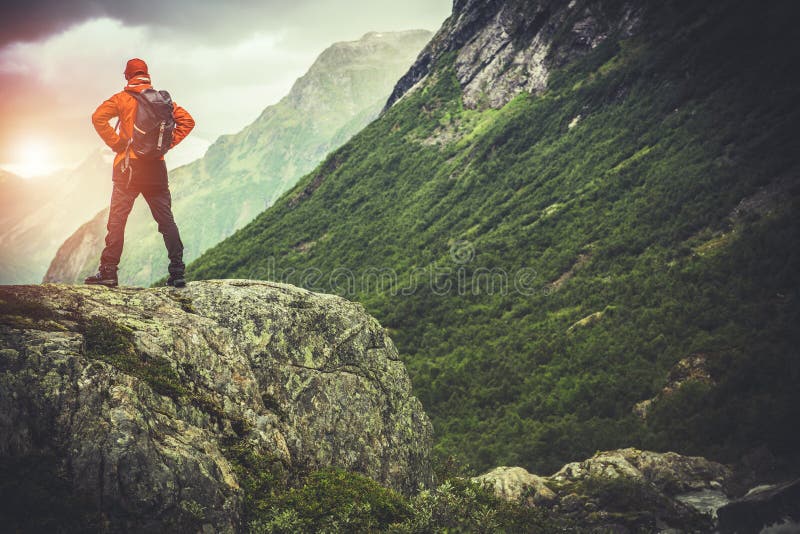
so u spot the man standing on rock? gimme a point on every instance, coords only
(148, 125)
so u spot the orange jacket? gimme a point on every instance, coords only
(123, 105)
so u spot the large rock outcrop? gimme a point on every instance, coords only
(132, 399)
(691, 369)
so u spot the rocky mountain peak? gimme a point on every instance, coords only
(506, 47)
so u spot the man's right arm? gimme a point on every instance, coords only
(104, 113)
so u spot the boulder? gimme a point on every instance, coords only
(670, 472)
(515, 483)
(620, 491)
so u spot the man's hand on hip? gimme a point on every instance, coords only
(120, 146)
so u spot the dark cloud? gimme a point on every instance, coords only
(32, 20)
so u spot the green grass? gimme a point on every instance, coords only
(678, 126)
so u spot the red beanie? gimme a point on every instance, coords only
(135, 66)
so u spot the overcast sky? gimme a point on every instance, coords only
(223, 61)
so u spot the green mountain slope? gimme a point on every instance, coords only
(242, 174)
(640, 207)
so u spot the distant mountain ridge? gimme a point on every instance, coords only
(39, 213)
(242, 174)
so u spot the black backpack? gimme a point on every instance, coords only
(153, 125)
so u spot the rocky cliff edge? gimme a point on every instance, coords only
(134, 399)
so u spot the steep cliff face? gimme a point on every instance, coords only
(503, 48)
(137, 404)
(242, 174)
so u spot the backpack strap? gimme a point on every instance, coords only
(134, 94)
(126, 164)
(138, 96)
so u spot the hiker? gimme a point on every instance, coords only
(139, 166)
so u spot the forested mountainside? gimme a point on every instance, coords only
(242, 174)
(570, 209)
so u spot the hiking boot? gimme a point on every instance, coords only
(176, 280)
(104, 277)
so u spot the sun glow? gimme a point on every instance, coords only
(31, 158)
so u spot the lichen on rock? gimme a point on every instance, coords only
(139, 396)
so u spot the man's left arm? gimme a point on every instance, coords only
(184, 123)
